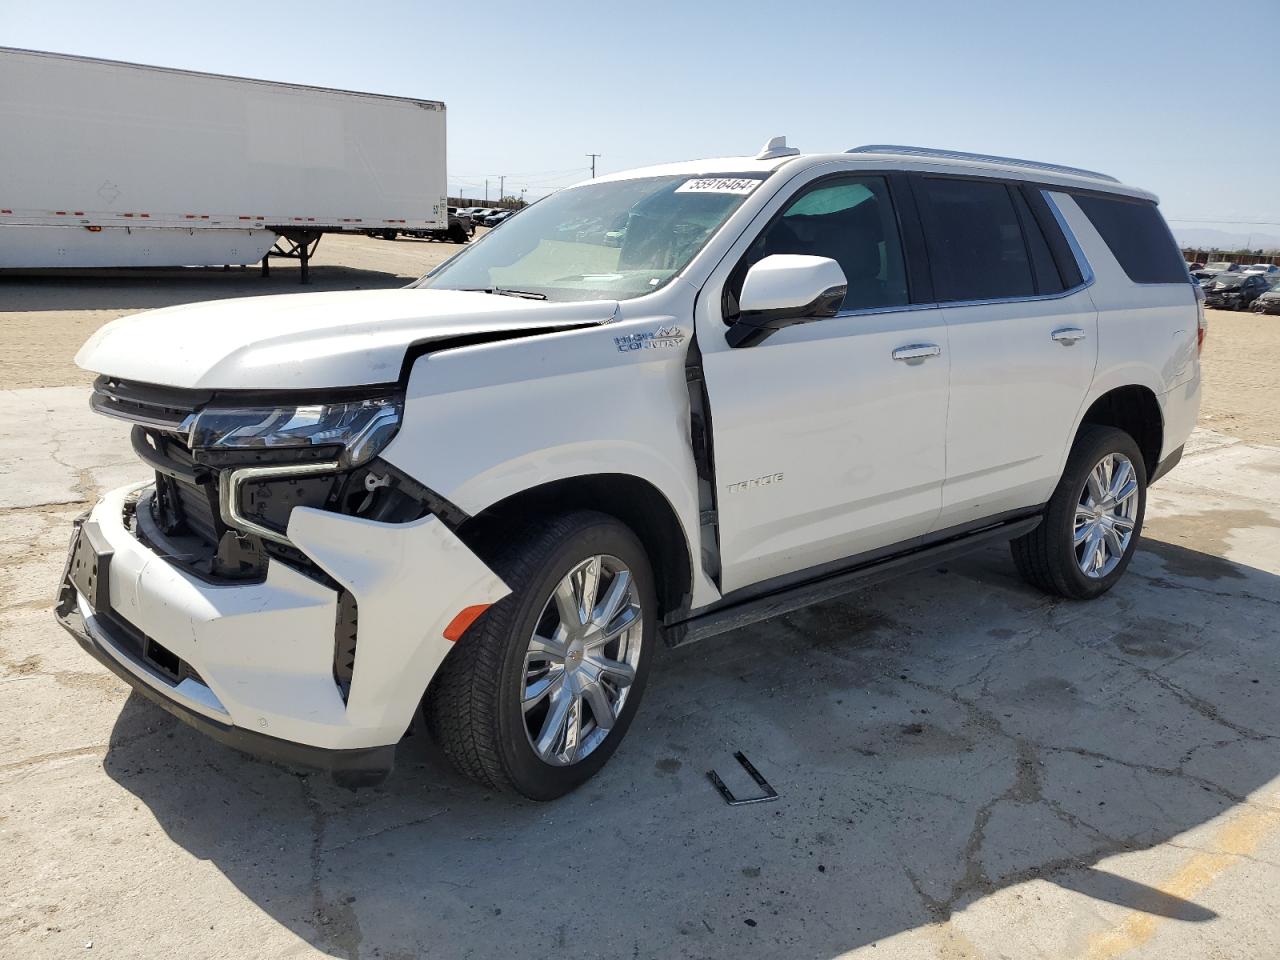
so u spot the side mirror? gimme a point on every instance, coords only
(782, 290)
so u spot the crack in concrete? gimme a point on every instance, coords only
(1164, 583)
(1197, 704)
(384, 830)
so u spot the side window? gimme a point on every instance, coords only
(852, 221)
(976, 247)
(1137, 236)
(1051, 229)
(1043, 269)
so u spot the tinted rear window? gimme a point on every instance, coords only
(976, 248)
(1138, 237)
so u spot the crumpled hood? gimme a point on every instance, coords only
(309, 340)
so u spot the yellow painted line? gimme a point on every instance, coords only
(1238, 837)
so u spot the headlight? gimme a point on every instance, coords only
(362, 427)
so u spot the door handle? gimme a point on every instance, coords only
(1068, 335)
(915, 352)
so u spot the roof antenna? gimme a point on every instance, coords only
(777, 147)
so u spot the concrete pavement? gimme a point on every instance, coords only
(966, 768)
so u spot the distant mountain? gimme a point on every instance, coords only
(1203, 238)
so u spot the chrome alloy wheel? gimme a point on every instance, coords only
(1106, 515)
(581, 660)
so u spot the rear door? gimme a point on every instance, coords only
(826, 446)
(1023, 334)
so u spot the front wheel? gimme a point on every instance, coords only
(1093, 520)
(541, 689)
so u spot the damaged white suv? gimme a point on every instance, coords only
(651, 407)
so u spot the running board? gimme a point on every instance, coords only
(788, 599)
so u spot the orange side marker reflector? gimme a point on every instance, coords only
(459, 624)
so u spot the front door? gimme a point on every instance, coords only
(828, 437)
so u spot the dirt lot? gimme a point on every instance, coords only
(967, 769)
(44, 318)
(1242, 373)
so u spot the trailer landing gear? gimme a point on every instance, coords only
(298, 246)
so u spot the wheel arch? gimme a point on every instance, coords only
(1135, 410)
(634, 501)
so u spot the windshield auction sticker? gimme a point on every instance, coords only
(739, 185)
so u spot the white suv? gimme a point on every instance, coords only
(655, 406)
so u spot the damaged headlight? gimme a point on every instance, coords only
(361, 427)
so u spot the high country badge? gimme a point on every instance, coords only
(662, 338)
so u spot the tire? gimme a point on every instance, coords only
(458, 233)
(474, 708)
(1049, 557)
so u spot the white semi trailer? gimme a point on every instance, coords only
(108, 164)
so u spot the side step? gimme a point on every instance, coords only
(829, 586)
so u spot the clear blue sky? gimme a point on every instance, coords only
(1136, 88)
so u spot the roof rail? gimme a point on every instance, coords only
(980, 158)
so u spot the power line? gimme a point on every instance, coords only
(1255, 223)
(516, 176)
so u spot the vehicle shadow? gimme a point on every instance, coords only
(145, 289)
(933, 742)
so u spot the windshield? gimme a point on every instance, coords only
(1217, 265)
(612, 241)
(1225, 282)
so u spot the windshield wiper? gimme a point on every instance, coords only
(508, 292)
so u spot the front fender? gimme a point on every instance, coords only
(486, 422)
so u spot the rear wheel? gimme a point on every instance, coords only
(541, 689)
(1091, 526)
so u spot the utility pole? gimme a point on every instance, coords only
(486, 189)
(502, 188)
(593, 157)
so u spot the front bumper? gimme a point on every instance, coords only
(368, 764)
(1266, 306)
(257, 658)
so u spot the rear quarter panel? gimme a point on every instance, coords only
(1147, 334)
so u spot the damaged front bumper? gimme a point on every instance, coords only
(252, 663)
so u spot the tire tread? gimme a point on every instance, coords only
(1037, 555)
(461, 705)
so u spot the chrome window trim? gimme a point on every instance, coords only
(872, 311)
(1086, 268)
(1034, 298)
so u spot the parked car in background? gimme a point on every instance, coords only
(497, 218)
(1192, 266)
(1269, 301)
(1265, 269)
(460, 230)
(1235, 291)
(483, 501)
(1216, 267)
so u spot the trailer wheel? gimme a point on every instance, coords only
(388, 234)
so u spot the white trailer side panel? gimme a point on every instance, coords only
(98, 143)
